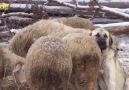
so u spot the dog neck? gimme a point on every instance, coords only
(107, 55)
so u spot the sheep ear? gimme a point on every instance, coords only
(18, 65)
(17, 68)
(18, 73)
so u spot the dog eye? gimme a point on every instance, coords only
(97, 35)
(105, 36)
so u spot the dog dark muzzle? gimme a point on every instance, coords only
(102, 44)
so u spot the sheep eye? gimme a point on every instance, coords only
(105, 36)
(97, 35)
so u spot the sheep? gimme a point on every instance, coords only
(21, 42)
(48, 65)
(7, 61)
(86, 58)
(76, 22)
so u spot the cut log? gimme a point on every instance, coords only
(118, 29)
(122, 27)
(17, 14)
(18, 23)
(6, 34)
(104, 21)
(72, 9)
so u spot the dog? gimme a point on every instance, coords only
(111, 75)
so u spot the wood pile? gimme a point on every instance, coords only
(21, 13)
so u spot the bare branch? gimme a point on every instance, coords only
(96, 12)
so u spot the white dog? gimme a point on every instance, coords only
(112, 75)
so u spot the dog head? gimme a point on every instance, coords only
(102, 37)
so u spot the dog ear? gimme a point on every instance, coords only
(110, 40)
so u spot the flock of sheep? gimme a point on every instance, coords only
(63, 54)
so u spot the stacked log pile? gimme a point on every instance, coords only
(22, 13)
